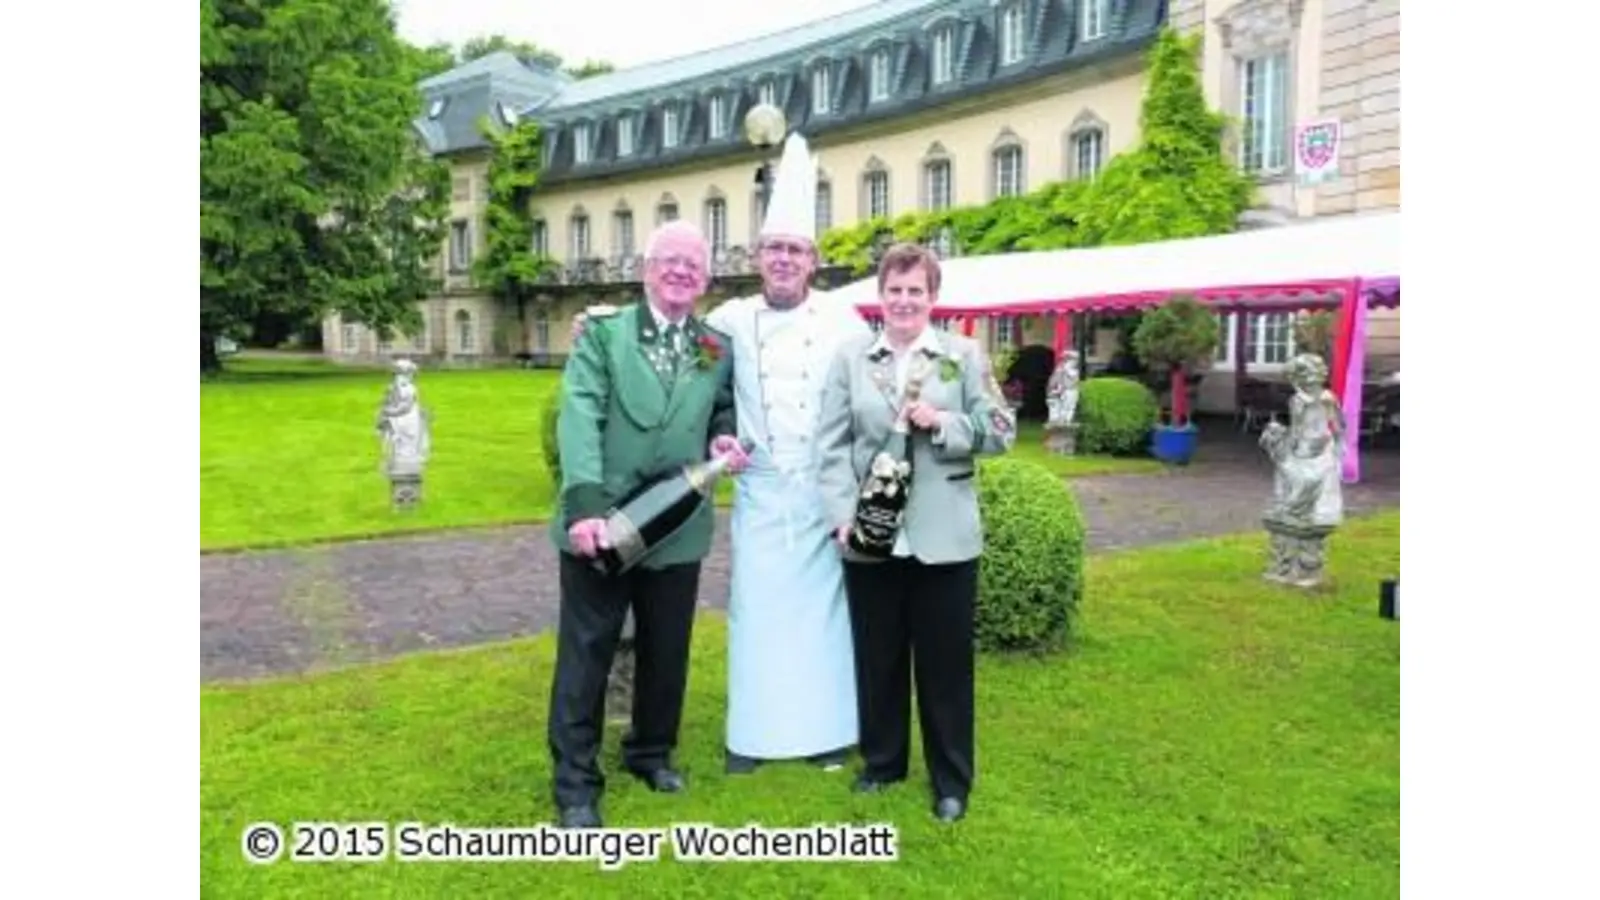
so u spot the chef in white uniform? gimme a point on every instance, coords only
(791, 678)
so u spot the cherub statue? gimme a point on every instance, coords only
(1307, 490)
(1061, 393)
(403, 428)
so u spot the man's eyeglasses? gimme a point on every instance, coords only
(785, 248)
(686, 263)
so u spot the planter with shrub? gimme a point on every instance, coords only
(1115, 416)
(1177, 337)
(1030, 578)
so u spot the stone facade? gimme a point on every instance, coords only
(1360, 84)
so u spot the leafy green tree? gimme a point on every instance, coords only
(315, 196)
(508, 268)
(527, 50)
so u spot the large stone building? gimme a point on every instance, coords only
(909, 105)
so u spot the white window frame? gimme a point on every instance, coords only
(1264, 112)
(349, 338)
(717, 116)
(943, 197)
(824, 206)
(1012, 42)
(579, 240)
(942, 56)
(466, 332)
(669, 127)
(875, 183)
(582, 144)
(1092, 20)
(1259, 323)
(1018, 182)
(878, 75)
(821, 90)
(767, 92)
(541, 237)
(460, 246)
(1088, 138)
(716, 225)
(625, 136)
(622, 233)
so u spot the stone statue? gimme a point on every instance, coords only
(1307, 491)
(1061, 399)
(403, 428)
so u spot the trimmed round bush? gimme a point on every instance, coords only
(1030, 577)
(547, 436)
(1115, 416)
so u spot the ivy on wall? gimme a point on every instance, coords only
(508, 268)
(1176, 183)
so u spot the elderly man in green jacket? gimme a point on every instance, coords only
(647, 390)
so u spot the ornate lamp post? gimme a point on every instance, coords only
(765, 128)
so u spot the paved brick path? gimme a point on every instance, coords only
(292, 610)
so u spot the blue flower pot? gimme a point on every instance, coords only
(1174, 445)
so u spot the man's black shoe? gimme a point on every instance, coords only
(663, 780)
(581, 816)
(949, 809)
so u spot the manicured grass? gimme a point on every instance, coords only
(1209, 735)
(288, 453)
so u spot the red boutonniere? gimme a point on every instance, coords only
(707, 351)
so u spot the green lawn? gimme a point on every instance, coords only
(288, 453)
(1209, 736)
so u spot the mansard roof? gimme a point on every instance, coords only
(842, 44)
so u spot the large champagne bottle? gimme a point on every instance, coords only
(655, 511)
(881, 506)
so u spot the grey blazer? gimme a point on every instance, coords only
(859, 405)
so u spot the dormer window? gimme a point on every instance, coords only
(508, 114)
(878, 74)
(669, 127)
(1092, 24)
(821, 90)
(768, 93)
(625, 135)
(717, 114)
(1011, 40)
(942, 55)
(436, 108)
(582, 145)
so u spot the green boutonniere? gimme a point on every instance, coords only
(949, 369)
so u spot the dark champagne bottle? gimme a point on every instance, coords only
(881, 505)
(655, 511)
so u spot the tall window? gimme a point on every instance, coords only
(669, 127)
(717, 224)
(768, 93)
(1263, 88)
(718, 116)
(824, 206)
(937, 185)
(625, 136)
(466, 337)
(541, 238)
(1011, 31)
(581, 145)
(1088, 152)
(350, 338)
(877, 190)
(942, 55)
(821, 89)
(460, 246)
(878, 75)
(1092, 24)
(579, 249)
(1008, 171)
(622, 240)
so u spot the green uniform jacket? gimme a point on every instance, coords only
(621, 425)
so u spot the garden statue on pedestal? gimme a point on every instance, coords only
(1307, 493)
(1061, 398)
(403, 428)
